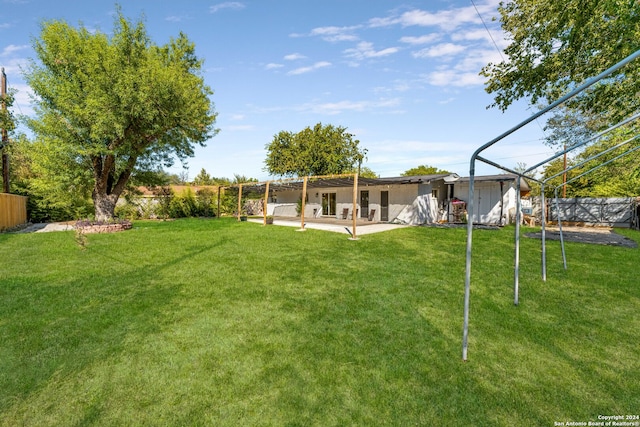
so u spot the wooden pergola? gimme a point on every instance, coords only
(301, 183)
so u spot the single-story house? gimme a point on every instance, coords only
(409, 199)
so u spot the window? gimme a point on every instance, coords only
(329, 204)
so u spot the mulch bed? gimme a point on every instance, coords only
(597, 238)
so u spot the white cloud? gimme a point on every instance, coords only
(12, 48)
(176, 18)
(13, 67)
(23, 97)
(446, 19)
(477, 59)
(428, 38)
(294, 56)
(397, 86)
(335, 34)
(444, 49)
(273, 66)
(226, 5)
(452, 77)
(333, 108)
(365, 50)
(239, 128)
(304, 70)
(390, 157)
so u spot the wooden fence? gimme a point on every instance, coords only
(13, 210)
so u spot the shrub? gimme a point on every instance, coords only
(183, 205)
(206, 202)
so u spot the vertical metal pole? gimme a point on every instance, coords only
(501, 202)
(516, 279)
(564, 256)
(544, 236)
(467, 278)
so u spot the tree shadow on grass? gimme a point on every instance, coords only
(55, 330)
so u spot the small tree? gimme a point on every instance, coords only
(203, 178)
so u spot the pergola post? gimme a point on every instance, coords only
(265, 204)
(304, 202)
(239, 201)
(218, 212)
(354, 211)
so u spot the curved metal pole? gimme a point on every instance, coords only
(595, 156)
(564, 258)
(476, 154)
(581, 144)
(543, 222)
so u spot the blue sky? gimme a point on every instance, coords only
(401, 76)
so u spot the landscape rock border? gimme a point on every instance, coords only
(103, 228)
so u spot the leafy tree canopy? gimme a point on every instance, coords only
(203, 178)
(556, 44)
(7, 119)
(321, 150)
(117, 104)
(620, 178)
(423, 170)
(366, 172)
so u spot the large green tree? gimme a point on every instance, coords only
(114, 104)
(321, 150)
(554, 45)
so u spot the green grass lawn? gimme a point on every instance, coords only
(215, 322)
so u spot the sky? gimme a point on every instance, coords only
(402, 77)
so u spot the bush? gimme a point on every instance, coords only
(183, 205)
(206, 202)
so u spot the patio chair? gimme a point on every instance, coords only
(345, 213)
(372, 214)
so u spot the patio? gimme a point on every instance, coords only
(344, 226)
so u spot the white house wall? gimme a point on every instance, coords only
(486, 201)
(400, 197)
(423, 210)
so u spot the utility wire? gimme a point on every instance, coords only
(488, 32)
(500, 52)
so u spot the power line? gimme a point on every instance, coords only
(488, 32)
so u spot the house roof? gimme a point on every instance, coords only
(342, 181)
(339, 181)
(524, 185)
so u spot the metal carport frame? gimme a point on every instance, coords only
(476, 156)
(555, 191)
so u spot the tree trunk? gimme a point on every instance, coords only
(105, 205)
(107, 187)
